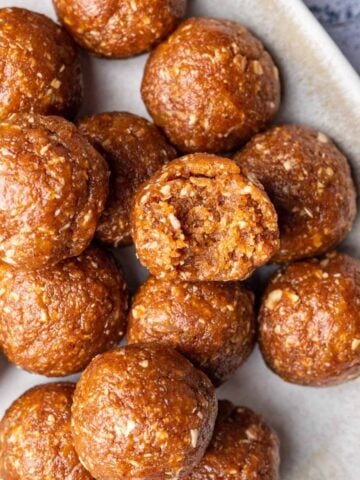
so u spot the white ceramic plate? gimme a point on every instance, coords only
(319, 428)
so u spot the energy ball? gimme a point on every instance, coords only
(134, 149)
(142, 411)
(210, 323)
(243, 447)
(120, 28)
(310, 321)
(200, 218)
(39, 66)
(211, 85)
(55, 320)
(35, 436)
(309, 181)
(53, 188)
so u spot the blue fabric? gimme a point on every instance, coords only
(341, 18)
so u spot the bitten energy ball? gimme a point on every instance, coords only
(310, 321)
(199, 218)
(35, 436)
(211, 323)
(309, 181)
(39, 66)
(211, 85)
(134, 149)
(120, 28)
(55, 320)
(53, 189)
(243, 447)
(142, 411)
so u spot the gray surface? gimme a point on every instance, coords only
(318, 427)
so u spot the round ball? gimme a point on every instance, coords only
(243, 447)
(310, 321)
(309, 181)
(142, 411)
(39, 66)
(134, 149)
(35, 436)
(200, 219)
(118, 29)
(53, 189)
(55, 320)
(211, 85)
(210, 323)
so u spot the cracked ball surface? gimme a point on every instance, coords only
(199, 218)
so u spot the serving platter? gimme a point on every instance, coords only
(318, 428)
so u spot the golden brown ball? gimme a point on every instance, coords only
(35, 436)
(211, 85)
(119, 28)
(39, 66)
(53, 321)
(53, 188)
(210, 323)
(310, 321)
(243, 447)
(134, 149)
(144, 412)
(309, 181)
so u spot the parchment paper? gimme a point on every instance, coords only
(319, 428)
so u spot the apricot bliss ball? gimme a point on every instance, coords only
(310, 321)
(309, 181)
(119, 28)
(211, 85)
(144, 412)
(53, 188)
(134, 149)
(210, 323)
(35, 436)
(55, 320)
(243, 447)
(200, 218)
(39, 66)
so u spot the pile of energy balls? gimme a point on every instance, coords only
(201, 224)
